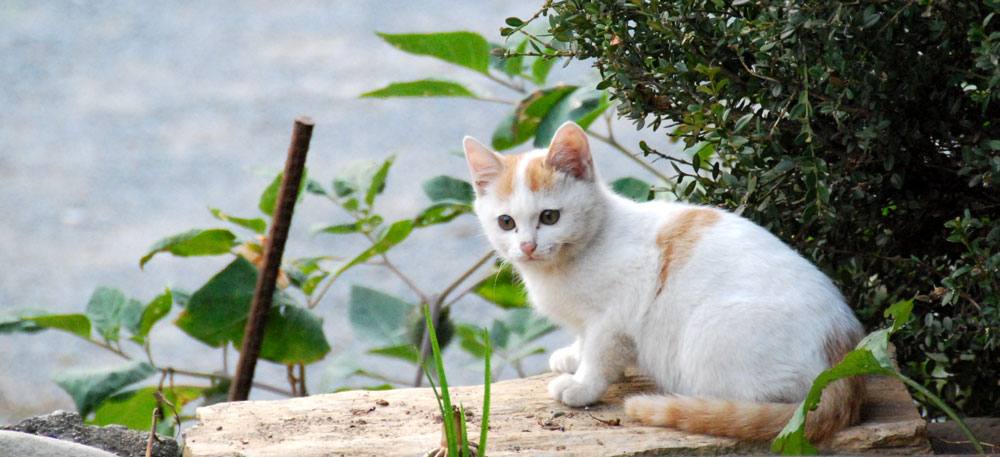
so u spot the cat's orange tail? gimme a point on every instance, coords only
(840, 406)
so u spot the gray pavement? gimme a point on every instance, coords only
(121, 122)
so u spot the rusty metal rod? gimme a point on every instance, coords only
(253, 335)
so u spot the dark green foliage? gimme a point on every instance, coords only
(864, 134)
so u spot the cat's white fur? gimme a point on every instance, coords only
(722, 315)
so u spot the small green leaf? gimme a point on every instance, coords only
(467, 49)
(421, 88)
(378, 317)
(377, 184)
(193, 243)
(742, 122)
(441, 212)
(900, 312)
(77, 324)
(152, 313)
(269, 198)
(355, 177)
(395, 234)
(406, 352)
(503, 289)
(90, 387)
(109, 310)
(632, 188)
(448, 188)
(257, 225)
(514, 22)
(336, 228)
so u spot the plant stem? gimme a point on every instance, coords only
(117, 352)
(195, 374)
(611, 141)
(457, 282)
(944, 407)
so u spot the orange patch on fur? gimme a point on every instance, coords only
(539, 175)
(505, 182)
(677, 238)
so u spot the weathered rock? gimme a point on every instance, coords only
(27, 445)
(116, 439)
(524, 420)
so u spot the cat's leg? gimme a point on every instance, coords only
(567, 359)
(604, 354)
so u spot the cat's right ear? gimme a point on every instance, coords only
(484, 164)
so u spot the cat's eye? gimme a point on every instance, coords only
(506, 222)
(549, 216)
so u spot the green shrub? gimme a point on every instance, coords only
(862, 133)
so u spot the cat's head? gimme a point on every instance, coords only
(539, 207)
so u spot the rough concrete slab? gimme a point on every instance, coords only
(524, 420)
(27, 445)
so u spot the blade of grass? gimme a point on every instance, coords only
(446, 415)
(465, 434)
(486, 396)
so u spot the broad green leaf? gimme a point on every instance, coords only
(582, 106)
(134, 408)
(293, 335)
(109, 310)
(503, 288)
(422, 88)
(378, 317)
(635, 189)
(193, 243)
(152, 313)
(870, 357)
(377, 184)
(441, 212)
(335, 228)
(257, 225)
(396, 233)
(77, 324)
(448, 188)
(407, 352)
(90, 387)
(217, 313)
(521, 124)
(467, 49)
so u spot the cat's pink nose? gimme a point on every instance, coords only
(528, 247)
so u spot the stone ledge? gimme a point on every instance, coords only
(524, 420)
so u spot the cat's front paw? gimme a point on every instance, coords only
(573, 393)
(565, 360)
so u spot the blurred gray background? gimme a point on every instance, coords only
(122, 122)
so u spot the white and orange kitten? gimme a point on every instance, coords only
(731, 323)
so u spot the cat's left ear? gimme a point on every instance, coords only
(484, 164)
(569, 152)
